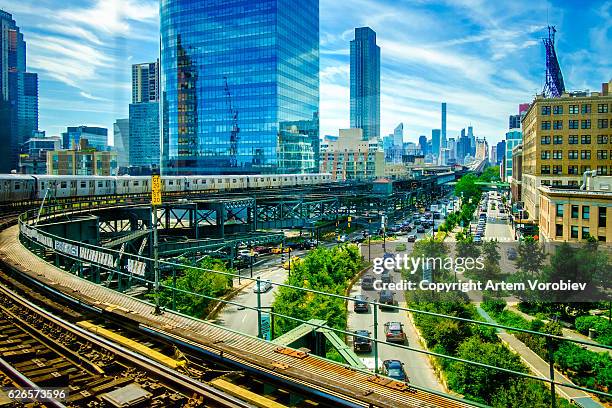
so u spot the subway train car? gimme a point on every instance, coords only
(16, 187)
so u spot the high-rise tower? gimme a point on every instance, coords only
(267, 52)
(18, 94)
(443, 128)
(365, 83)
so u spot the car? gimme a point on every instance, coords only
(362, 344)
(394, 369)
(246, 253)
(394, 332)
(386, 298)
(342, 238)
(262, 286)
(420, 229)
(412, 238)
(407, 228)
(367, 282)
(360, 304)
(386, 277)
(279, 250)
(477, 239)
(512, 254)
(262, 249)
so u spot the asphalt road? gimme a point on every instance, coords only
(245, 320)
(416, 364)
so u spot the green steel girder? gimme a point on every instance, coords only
(302, 210)
(209, 245)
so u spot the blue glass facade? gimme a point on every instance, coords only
(240, 86)
(144, 134)
(513, 138)
(97, 137)
(365, 83)
(18, 94)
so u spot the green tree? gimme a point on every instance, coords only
(530, 257)
(479, 383)
(200, 282)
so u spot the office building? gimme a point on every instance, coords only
(84, 160)
(514, 122)
(33, 153)
(423, 144)
(351, 158)
(563, 138)
(145, 82)
(517, 173)
(365, 83)
(435, 144)
(18, 94)
(572, 215)
(121, 142)
(500, 151)
(239, 87)
(97, 137)
(443, 128)
(472, 139)
(513, 139)
(144, 137)
(493, 155)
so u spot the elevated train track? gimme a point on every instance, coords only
(330, 383)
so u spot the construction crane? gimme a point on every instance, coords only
(233, 113)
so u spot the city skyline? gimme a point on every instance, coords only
(496, 59)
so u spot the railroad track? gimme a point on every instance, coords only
(40, 350)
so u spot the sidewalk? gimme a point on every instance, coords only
(536, 364)
(567, 333)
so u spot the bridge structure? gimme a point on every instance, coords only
(65, 266)
(77, 250)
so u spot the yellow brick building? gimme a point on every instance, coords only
(573, 215)
(562, 138)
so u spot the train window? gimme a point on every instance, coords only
(233, 180)
(107, 183)
(72, 184)
(204, 181)
(136, 183)
(273, 179)
(99, 184)
(42, 185)
(171, 182)
(219, 181)
(17, 186)
(83, 184)
(63, 184)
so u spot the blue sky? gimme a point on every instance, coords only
(482, 57)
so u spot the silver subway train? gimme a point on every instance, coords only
(17, 187)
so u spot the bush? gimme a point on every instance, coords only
(602, 326)
(493, 305)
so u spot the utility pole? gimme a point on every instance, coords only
(155, 201)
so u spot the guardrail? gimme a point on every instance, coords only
(135, 267)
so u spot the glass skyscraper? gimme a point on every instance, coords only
(239, 86)
(18, 94)
(144, 145)
(365, 83)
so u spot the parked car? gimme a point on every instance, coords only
(394, 369)
(394, 332)
(412, 238)
(361, 344)
(360, 304)
(420, 229)
(367, 282)
(262, 286)
(386, 298)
